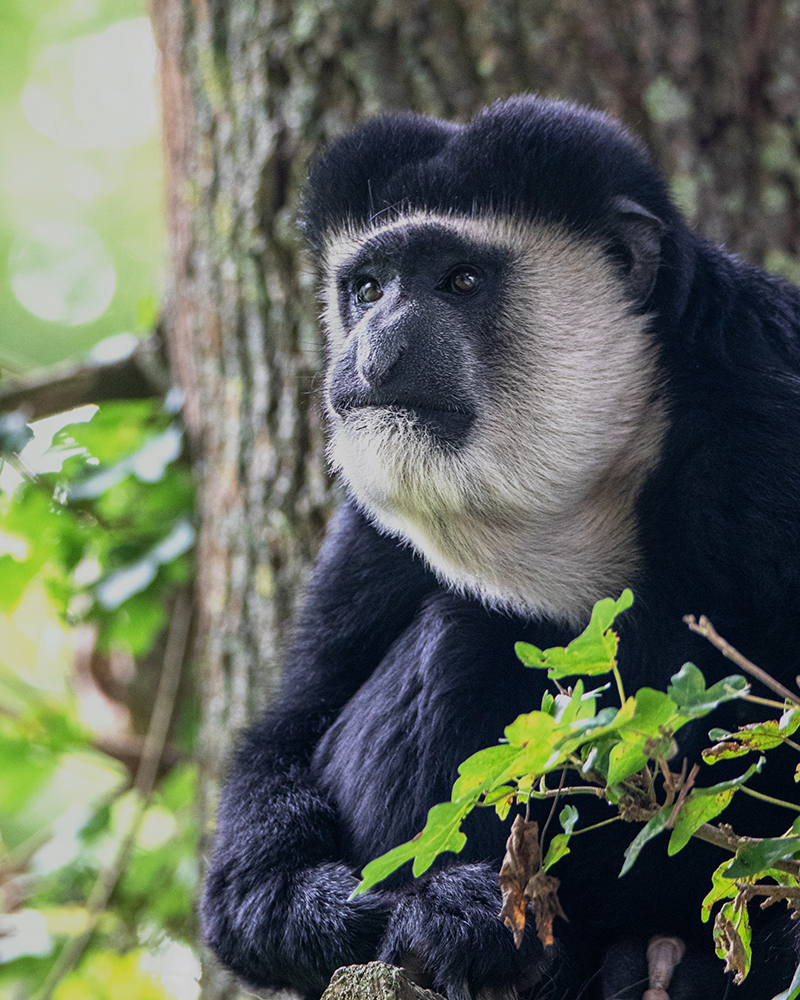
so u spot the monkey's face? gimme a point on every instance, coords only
(488, 381)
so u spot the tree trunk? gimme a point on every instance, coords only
(251, 88)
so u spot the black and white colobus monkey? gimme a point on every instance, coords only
(543, 387)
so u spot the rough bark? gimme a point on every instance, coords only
(252, 87)
(376, 981)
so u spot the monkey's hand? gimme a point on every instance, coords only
(446, 931)
(276, 908)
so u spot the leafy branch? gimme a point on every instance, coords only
(623, 755)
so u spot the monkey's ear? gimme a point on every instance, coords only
(636, 247)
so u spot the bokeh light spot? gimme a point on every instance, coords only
(96, 90)
(62, 272)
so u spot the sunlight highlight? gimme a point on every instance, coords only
(62, 272)
(97, 90)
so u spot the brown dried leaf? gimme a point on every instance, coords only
(523, 884)
(726, 938)
(542, 892)
(521, 863)
(513, 912)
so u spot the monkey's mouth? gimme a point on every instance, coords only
(447, 425)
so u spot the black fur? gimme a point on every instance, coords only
(392, 680)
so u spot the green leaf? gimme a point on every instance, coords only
(558, 846)
(108, 975)
(534, 736)
(593, 652)
(722, 887)
(702, 805)
(24, 771)
(624, 760)
(383, 866)
(442, 833)
(483, 770)
(148, 464)
(654, 712)
(136, 624)
(756, 737)
(116, 429)
(789, 722)
(752, 858)
(35, 519)
(548, 702)
(651, 829)
(556, 850)
(15, 575)
(762, 736)
(569, 708)
(645, 733)
(568, 818)
(724, 751)
(32, 743)
(694, 812)
(121, 585)
(502, 798)
(583, 731)
(688, 691)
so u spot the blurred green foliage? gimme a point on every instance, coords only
(104, 540)
(107, 533)
(96, 532)
(81, 238)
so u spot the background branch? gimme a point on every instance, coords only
(140, 375)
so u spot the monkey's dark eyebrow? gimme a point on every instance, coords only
(417, 238)
(385, 244)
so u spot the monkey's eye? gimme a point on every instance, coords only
(463, 280)
(368, 290)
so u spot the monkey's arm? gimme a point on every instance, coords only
(276, 906)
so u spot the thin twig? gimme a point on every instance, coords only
(145, 779)
(775, 891)
(596, 826)
(686, 786)
(555, 803)
(768, 798)
(706, 629)
(618, 678)
(769, 702)
(570, 790)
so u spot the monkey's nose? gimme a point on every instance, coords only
(378, 352)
